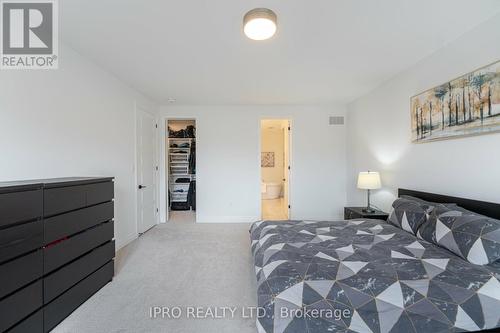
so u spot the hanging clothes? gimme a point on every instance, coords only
(192, 158)
(192, 195)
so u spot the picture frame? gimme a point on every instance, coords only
(267, 160)
(465, 106)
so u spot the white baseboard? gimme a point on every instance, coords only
(126, 241)
(227, 219)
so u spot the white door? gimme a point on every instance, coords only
(286, 172)
(146, 171)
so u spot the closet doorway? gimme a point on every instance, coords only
(181, 170)
(275, 169)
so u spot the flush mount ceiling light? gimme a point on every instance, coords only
(260, 24)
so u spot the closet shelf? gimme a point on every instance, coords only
(180, 163)
(184, 186)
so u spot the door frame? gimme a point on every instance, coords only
(164, 162)
(290, 161)
(138, 108)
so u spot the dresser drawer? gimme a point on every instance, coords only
(62, 306)
(19, 305)
(20, 239)
(64, 278)
(100, 192)
(63, 199)
(32, 324)
(58, 200)
(20, 272)
(18, 207)
(63, 252)
(65, 225)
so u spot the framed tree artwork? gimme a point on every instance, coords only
(468, 105)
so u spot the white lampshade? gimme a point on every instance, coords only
(369, 180)
(260, 24)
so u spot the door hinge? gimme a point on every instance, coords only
(156, 125)
(157, 210)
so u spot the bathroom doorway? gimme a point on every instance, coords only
(275, 169)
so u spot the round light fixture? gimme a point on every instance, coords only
(260, 24)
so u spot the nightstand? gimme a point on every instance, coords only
(357, 213)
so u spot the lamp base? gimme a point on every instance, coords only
(368, 208)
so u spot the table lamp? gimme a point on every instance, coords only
(369, 180)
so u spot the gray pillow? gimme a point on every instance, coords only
(471, 236)
(409, 214)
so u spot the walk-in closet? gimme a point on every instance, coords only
(181, 166)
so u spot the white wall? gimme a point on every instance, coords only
(273, 141)
(74, 121)
(378, 130)
(228, 161)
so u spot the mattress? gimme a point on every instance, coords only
(366, 276)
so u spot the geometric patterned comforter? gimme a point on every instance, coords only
(366, 276)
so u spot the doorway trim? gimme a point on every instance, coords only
(138, 108)
(163, 162)
(290, 160)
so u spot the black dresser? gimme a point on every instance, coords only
(56, 249)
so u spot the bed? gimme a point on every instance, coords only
(370, 276)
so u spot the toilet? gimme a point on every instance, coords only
(270, 190)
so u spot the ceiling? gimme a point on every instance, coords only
(325, 51)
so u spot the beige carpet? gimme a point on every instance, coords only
(179, 264)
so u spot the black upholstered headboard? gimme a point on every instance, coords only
(481, 207)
